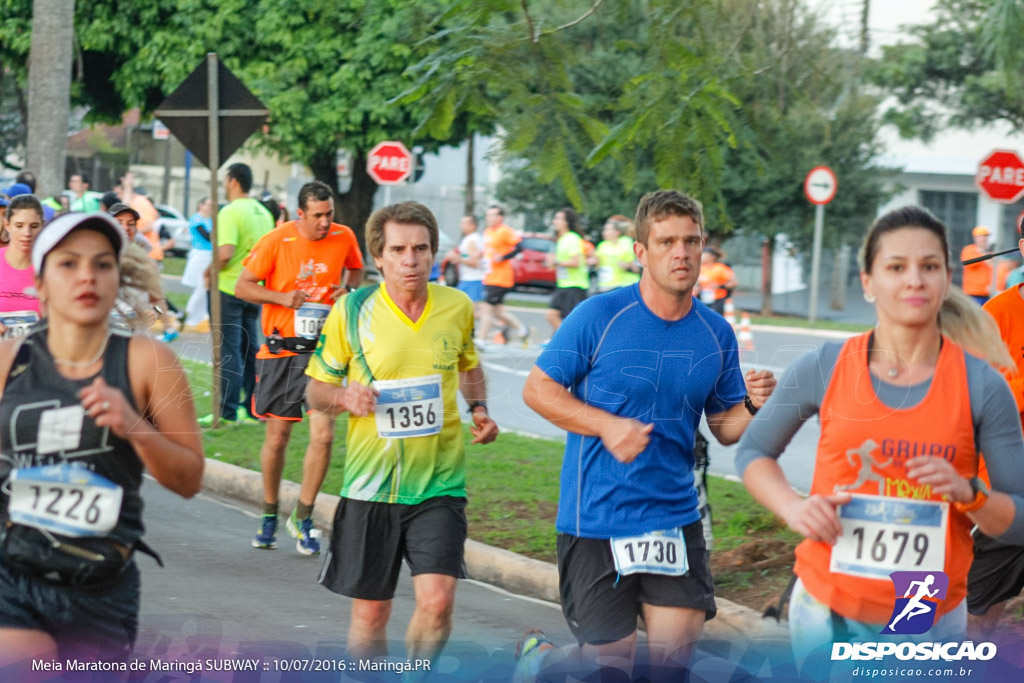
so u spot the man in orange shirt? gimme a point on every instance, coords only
(304, 265)
(997, 573)
(977, 276)
(501, 244)
(716, 280)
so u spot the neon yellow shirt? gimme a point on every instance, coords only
(609, 255)
(241, 223)
(569, 245)
(393, 469)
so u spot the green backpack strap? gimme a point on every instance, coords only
(353, 305)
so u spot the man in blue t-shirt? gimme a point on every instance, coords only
(628, 375)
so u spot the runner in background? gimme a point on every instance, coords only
(924, 396)
(304, 266)
(614, 258)
(501, 244)
(977, 281)
(19, 307)
(717, 280)
(473, 265)
(199, 258)
(572, 278)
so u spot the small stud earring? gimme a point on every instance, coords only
(870, 298)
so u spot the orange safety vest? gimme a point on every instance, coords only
(851, 416)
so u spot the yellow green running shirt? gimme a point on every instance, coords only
(407, 464)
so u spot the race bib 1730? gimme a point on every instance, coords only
(656, 552)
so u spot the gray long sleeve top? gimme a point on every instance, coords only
(997, 426)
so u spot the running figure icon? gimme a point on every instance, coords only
(915, 606)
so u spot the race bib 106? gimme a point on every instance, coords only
(309, 320)
(657, 552)
(66, 499)
(882, 535)
(409, 407)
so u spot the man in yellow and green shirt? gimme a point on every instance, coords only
(394, 356)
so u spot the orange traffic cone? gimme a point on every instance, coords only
(730, 313)
(746, 336)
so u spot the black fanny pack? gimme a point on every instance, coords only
(82, 562)
(277, 344)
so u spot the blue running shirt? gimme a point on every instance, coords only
(613, 353)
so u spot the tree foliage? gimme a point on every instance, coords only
(961, 69)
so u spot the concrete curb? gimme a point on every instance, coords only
(732, 631)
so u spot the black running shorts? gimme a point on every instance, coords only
(495, 295)
(567, 298)
(87, 623)
(280, 392)
(997, 574)
(602, 607)
(369, 541)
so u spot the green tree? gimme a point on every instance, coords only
(328, 70)
(962, 69)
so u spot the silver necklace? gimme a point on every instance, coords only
(85, 363)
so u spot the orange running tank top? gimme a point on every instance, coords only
(856, 425)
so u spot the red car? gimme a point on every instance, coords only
(528, 265)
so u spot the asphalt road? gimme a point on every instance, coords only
(217, 597)
(508, 365)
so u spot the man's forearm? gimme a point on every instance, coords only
(255, 293)
(354, 278)
(728, 426)
(473, 385)
(325, 398)
(557, 405)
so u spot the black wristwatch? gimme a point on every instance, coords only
(751, 408)
(473, 405)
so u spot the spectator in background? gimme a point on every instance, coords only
(27, 181)
(240, 225)
(200, 225)
(107, 200)
(977, 276)
(136, 198)
(4, 201)
(84, 200)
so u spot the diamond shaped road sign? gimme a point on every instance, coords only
(186, 113)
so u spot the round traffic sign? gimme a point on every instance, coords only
(1001, 176)
(820, 185)
(389, 163)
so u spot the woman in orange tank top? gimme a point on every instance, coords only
(895, 485)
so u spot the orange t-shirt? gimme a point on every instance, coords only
(147, 217)
(977, 276)
(1007, 308)
(713, 277)
(286, 261)
(499, 241)
(856, 425)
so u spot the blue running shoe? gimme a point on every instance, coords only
(265, 538)
(302, 529)
(530, 652)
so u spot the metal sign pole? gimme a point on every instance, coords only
(213, 106)
(819, 222)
